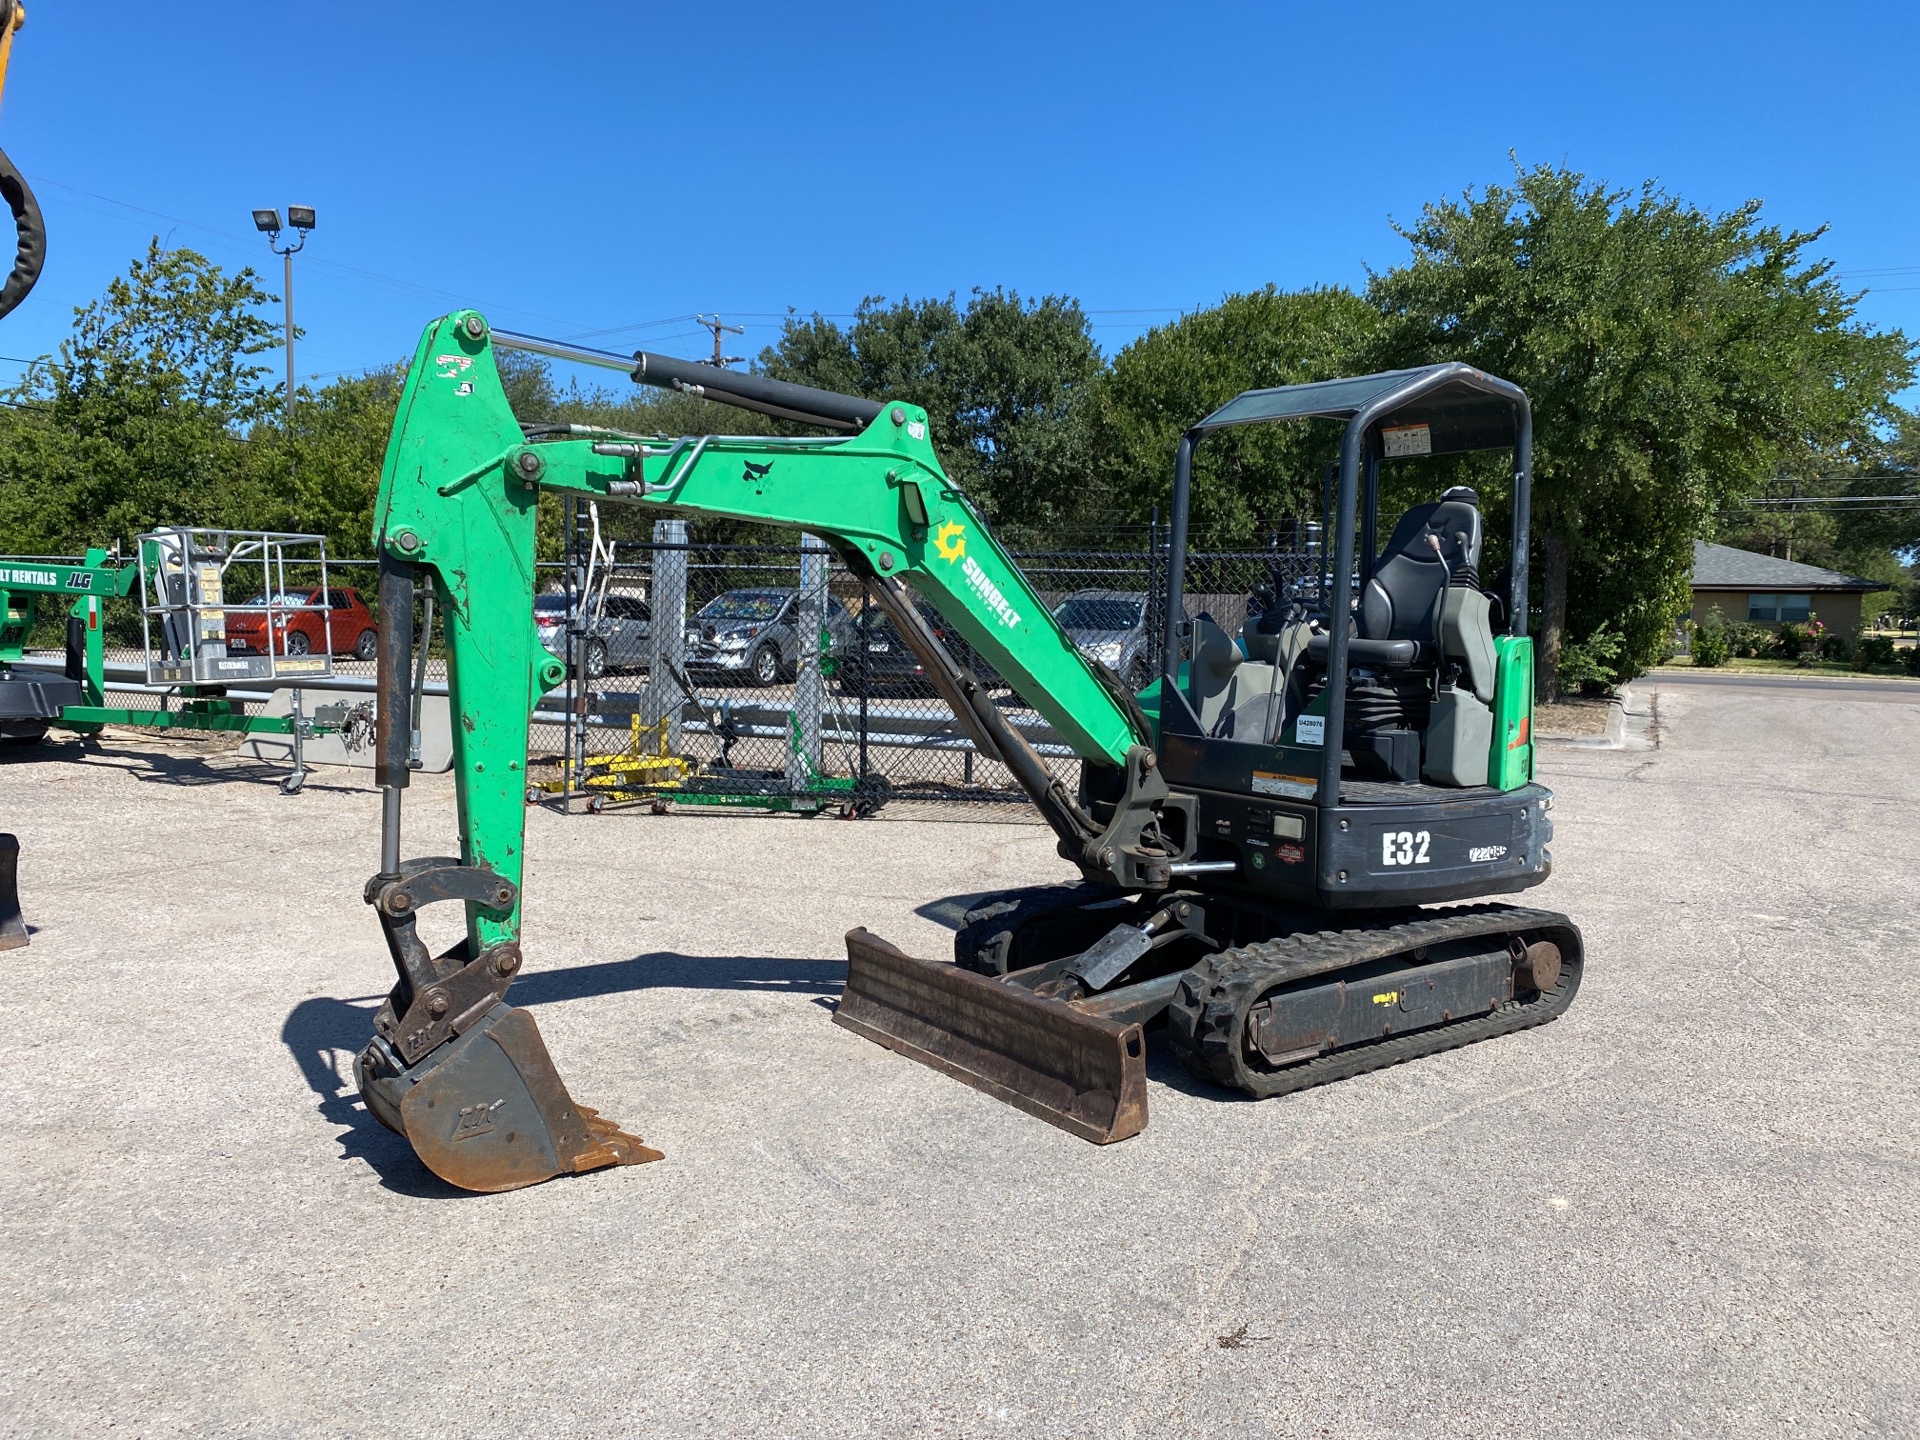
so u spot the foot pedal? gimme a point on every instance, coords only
(1084, 1073)
(489, 1112)
(13, 925)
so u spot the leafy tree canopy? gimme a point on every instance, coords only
(1675, 360)
(136, 422)
(1246, 482)
(1005, 383)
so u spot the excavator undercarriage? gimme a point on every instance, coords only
(1302, 1007)
(1256, 831)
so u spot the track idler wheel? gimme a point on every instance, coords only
(488, 1111)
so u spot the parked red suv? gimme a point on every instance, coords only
(346, 617)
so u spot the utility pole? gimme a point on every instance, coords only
(721, 361)
(300, 217)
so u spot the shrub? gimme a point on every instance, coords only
(1835, 647)
(1791, 640)
(1711, 645)
(1748, 642)
(1875, 650)
(1588, 665)
(1912, 657)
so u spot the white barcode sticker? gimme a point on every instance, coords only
(1310, 730)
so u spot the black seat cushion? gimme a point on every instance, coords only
(1396, 654)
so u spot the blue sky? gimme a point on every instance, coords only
(612, 168)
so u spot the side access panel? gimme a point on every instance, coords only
(1511, 764)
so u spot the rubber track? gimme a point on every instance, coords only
(1208, 1017)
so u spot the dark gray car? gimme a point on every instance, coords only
(1110, 626)
(752, 634)
(616, 637)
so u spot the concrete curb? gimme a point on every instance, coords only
(1613, 738)
(1780, 677)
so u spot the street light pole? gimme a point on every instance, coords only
(287, 256)
(301, 218)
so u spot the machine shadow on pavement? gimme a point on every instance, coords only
(325, 1032)
(159, 768)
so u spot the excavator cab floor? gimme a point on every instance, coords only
(489, 1112)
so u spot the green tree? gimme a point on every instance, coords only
(137, 421)
(322, 479)
(1245, 481)
(1006, 384)
(1676, 361)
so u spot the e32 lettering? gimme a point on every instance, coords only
(1404, 847)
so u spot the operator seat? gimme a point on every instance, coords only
(1419, 607)
(1423, 614)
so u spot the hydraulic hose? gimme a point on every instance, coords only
(30, 254)
(392, 710)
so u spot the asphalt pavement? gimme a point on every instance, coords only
(1687, 1208)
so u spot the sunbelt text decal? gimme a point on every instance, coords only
(989, 593)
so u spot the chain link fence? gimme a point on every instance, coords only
(715, 671)
(772, 670)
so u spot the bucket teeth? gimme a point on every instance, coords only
(488, 1111)
(620, 1147)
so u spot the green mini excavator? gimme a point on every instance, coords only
(1258, 830)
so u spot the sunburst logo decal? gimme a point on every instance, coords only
(951, 540)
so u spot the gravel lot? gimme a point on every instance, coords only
(1686, 1209)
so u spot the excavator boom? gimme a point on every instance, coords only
(455, 1068)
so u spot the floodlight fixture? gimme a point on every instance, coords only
(268, 221)
(300, 216)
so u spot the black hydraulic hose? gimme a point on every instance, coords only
(392, 719)
(30, 254)
(981, 718)
(779, 398)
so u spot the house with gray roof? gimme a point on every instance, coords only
(1766, 590)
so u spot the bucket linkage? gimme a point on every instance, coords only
(458, 1072)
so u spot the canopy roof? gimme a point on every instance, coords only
(1463, 408)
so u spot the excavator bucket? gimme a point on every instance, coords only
(1082, 1072)
(13, 927)
(489, 1111)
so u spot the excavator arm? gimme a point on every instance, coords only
(461, 1074)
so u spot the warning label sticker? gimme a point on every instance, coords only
(1294, 787)
(1398, 440)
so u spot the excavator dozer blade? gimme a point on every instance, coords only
(489, 1112)
(1081, 1072)
(13, 926)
